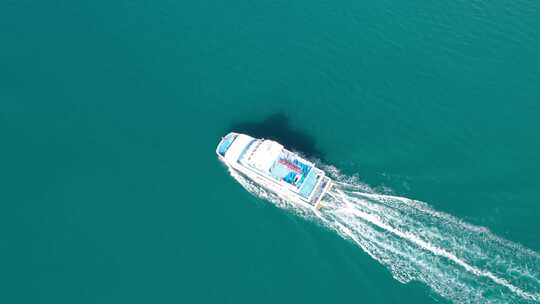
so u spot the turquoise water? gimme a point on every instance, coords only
(110, 114)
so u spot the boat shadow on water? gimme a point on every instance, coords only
(276, 127)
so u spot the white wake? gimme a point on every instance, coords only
(461, 262)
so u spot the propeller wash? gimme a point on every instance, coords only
(459, 261)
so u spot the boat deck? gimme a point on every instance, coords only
(290, 168)
(296, 171)
(310, 183)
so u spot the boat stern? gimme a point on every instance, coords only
(321, 190)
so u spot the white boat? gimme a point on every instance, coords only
(270, 165)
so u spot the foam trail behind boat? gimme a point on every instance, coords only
(461, 262)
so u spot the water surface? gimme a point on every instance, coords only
(110, 112)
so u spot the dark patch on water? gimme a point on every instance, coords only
(276, 127)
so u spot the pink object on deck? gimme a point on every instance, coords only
(289, 165)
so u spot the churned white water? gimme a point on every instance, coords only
(461, 262)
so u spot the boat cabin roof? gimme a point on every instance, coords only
(271, 158)
(262, 154)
